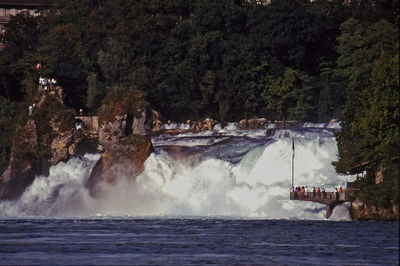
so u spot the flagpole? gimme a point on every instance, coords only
(292, 162)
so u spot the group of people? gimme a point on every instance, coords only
(304, 192)
(47, 83)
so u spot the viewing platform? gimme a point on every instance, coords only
(330, 199)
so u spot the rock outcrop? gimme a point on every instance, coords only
(124, 135)
(203, 124)
(253, 123)
(362, 211)
(23, 162)
(47, 138)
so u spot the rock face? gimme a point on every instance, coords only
(47, 138)
(126, 142)
(362, 211)
(20, 172)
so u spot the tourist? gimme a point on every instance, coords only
(340, 190)
(318, 193)
(30, 109)
(314, 193)
(336, 194)
(323, 193)
(44, 84)
(81, 112)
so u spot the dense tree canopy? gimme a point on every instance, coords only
(369, 62)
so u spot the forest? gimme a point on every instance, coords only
(227, 59)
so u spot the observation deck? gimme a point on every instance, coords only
(330, 199)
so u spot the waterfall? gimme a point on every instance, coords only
(221, 173)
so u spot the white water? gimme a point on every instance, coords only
(256, 187)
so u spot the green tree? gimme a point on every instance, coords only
(288, 32)
(20, 40)
(290, 96)
(370, 131)
(8, 112)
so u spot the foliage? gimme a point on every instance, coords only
(120, 101)
(20, 42)
(370, 122)
(8, 112)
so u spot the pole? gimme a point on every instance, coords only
(292, 162)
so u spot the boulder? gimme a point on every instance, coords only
(203, 124)
(157, 126)
(209, 123)
(253, 123)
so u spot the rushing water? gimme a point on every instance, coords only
(219, 196)
(224, 172)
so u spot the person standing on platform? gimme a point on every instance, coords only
(336, 194)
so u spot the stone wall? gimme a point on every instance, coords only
(91, 123)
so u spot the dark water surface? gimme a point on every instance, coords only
(197, 241)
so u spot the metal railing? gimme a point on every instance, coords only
(322, 197)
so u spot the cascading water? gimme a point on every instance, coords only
(220, 173)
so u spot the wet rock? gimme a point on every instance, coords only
(253, 123)
(157, 126)
(203, 124)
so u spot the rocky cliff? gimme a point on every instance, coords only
(124, 134)
(48, 136)
(42, 139)
(362, 211)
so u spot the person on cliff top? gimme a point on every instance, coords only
(30, 109)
